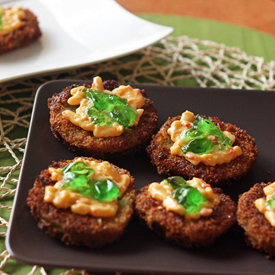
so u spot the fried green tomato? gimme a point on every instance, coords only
(172, 165)
(28, 32)
(259, 233)
(183, 231)
(78, 229)
(132, 140)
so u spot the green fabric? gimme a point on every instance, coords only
(251, 41)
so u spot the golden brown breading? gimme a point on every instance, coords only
(258, 232)
(84, 143)
(26, 34)
(186, 232)
(168, 164)
(74, 229)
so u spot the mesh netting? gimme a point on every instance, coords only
(173, 61)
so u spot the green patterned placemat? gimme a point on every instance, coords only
(172, 61)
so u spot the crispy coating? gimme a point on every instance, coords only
(258, 232)
(26, 34)
(186, 232)
(132, 140)
(168, 164)
(74, 229)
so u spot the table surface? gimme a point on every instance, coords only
(255, 14)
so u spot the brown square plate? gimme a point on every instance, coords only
(140, 250)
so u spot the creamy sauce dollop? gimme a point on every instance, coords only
(263, 205)
(79, 203)
(11, 19)
(163, 192)
(211, 159)
(80, 118)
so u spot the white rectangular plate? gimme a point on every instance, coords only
(77, 33)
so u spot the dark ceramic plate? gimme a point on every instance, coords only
(140, 250)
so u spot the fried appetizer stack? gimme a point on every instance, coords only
(103, 119)
(18, 27)
(256, 215)
(188, 213)
(83, 201)
(193, 146)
